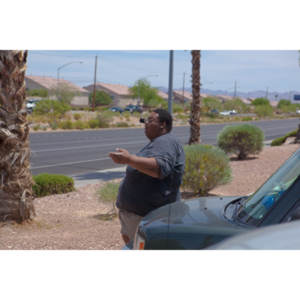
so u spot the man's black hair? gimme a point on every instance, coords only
(165, 116)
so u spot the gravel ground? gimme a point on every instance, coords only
(73, 220)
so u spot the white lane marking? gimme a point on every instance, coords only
(85, 147)
(69, 163)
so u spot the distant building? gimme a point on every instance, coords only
(186, 96)
(119, 93)
(42, 82)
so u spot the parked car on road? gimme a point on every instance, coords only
(116, 108)
(225, 113)
(297, 111)
(201, 222)
(30, 105)
(233, 112)
(214, 111)
(133, 108)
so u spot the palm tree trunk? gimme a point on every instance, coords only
(196, 102)
(16, 198)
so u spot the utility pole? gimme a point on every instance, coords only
(183, 89)
(170, 108)
(234, 91)
(94, 96)
(267, 93)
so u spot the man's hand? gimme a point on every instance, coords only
(120, 158)
(146, 165)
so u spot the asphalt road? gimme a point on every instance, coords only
(79, 152)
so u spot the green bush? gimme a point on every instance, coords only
(263, 110)
(79, 125)
(77, 116)
(126, 113)
(66, 125)
(103, 121)
(206, 167)
(246, 119)
(108, 195)
(279, 141)
(53, 126)
(178, 108)
(37, 127)
(94, 123)
(241, 139)
(109, 114)
(121, 124)
(211, 115)
(49, 184)
(182, 117)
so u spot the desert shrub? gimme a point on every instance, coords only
(77, 116)
(178, 108)
(53, 126)
(102, 108)
(66, 125)
(182, 117)
(246, 119)
(263, 110)
(241, 139)
(49, 184)
(279, 141)
(109, 114)
(206, 167)
(102, 121)
(136, 114)
(121, 124)
(126, 113)
(79, 125)
(108, 195)
(93, 123)
(37, 127)
(52, 110)
(210, 115)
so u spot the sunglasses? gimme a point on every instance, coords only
(146, 121)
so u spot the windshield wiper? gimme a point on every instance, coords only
(238, 205)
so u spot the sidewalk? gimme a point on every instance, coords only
(99, 176)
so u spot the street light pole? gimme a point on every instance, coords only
(139, 86)
(72, 62)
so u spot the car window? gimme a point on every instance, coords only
(259, 203)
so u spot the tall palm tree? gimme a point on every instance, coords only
(16, 198)
(196, 102)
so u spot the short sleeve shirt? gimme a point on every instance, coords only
(140, 193)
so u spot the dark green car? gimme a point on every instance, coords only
(201, 222)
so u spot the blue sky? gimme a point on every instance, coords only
(252, 69)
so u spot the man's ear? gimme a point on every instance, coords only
(163, 125)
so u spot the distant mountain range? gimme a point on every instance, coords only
(253, 94)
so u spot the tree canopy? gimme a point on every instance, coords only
(38, 93)
(260, 101)
(53, 110)
(101, 98)
(143, 89)
(67, 92)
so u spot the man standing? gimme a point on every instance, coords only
(153, 175)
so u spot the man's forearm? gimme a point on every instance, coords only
(145, 165)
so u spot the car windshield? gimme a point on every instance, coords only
(259, 203)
